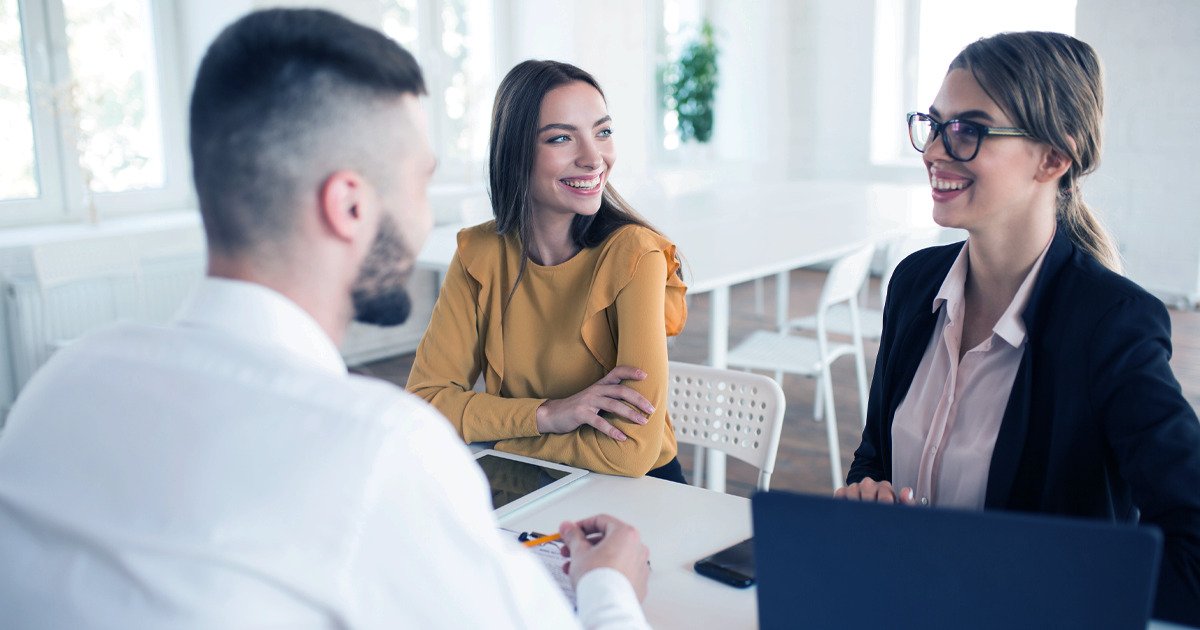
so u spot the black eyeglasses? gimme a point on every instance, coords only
(961, 138)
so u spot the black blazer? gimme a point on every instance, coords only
(1096, 424)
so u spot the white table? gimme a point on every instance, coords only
(732, 235)
(680, 524)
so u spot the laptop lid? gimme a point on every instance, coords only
(826, 563)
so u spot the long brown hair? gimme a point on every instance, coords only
(1052, 86)
(511, 158)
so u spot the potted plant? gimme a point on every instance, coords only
(690, 86)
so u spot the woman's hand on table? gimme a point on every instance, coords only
(607, 394)
(876, 491)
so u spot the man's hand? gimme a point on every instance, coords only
(607, 394)
(603, 541)
(878, 491)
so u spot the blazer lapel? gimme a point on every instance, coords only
(910, 350)
(913, 331)
(1011, 442)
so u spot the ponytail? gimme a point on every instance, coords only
(1086, 231)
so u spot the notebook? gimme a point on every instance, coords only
(826, 563)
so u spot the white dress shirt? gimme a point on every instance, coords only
(945, 430)
(226, 471)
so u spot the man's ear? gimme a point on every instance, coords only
(342, 198)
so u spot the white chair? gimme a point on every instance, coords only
(811, 357)
(738, 413)
(837, 320)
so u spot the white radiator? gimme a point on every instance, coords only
(46, 313)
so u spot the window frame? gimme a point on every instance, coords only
(898, 23)
(62, 198)
(439, 71)
(897, 62)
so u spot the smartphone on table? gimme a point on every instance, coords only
(733, 565)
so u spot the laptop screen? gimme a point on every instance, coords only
(826, 563)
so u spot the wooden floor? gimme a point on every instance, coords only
(803, 462)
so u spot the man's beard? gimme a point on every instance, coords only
(378, 294)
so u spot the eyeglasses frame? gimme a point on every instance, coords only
(936, 130)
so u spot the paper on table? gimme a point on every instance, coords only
(551, 558)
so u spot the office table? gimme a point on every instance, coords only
(730, 235)
(680, 524)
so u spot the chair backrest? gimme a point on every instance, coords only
(847, 276)
(738, 413)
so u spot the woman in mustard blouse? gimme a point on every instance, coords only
(564, 302)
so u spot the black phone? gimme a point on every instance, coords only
(733, 565)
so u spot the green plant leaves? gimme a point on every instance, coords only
(690, 86)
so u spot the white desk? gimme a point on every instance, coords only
(728, 236)
(680, 524)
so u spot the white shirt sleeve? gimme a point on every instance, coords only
(606, 599)
(430, 552)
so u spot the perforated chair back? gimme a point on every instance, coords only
(738, 413)
(847, 276)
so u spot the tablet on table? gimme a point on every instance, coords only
(517, 481)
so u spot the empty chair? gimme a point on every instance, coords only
(837, 320)
(738, 413)
(811, 356)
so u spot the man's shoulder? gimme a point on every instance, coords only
(197, 362)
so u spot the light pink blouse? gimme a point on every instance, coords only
(946, 427)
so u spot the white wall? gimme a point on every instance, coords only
(753, 117)
(615, 45)
(795, 99)
(1147, 186)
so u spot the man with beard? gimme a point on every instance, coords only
(225, 470)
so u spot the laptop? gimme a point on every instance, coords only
(826, 563)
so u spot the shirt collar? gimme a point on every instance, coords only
(954, 285)
(260, 316)
(1010, 327)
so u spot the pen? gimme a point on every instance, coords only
(541, 540)
(533, 539)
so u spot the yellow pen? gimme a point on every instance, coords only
(541, 540)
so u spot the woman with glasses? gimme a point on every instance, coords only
(564, 302)
(1019, 370)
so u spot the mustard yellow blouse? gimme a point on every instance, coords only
(566, 327)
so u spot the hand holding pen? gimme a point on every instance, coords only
(604, 541)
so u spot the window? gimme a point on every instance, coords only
(454, 42)
(681, 21)
(915, 40)
(92, 111)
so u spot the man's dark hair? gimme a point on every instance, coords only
(274, 111)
